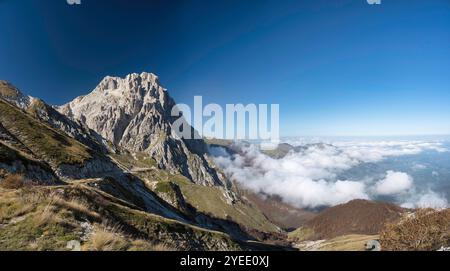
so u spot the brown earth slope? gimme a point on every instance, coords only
(355, 217)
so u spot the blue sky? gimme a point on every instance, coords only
(336, 67)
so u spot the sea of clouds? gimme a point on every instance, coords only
(308, 179)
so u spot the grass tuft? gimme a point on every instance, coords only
(108, 237)
(13, 181)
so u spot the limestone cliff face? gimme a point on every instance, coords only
(134, 113)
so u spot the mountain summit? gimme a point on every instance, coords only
(134, 113)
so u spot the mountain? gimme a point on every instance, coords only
(47, 113)
(154, 186)
(77, 130)
(134, 113)
(354, 217)
(107, 171)
(47, 155)
(29, 138)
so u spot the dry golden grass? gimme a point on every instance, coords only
(44, 217)
(13, 181)
(75, 205)
(43, 204)
(108, 237)
(12, 205)
(425, 230)
(51, 203)
(31, 196)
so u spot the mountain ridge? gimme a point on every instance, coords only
(49, 148)
(134, 113)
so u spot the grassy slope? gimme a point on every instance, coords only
(45, 142)
(9, 155)
(301, 234)
(46, 218)
(208, 200)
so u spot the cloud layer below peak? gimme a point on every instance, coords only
(308, 178)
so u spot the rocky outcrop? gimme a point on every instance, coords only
(134, 113)
(12, 94)
(17, 162)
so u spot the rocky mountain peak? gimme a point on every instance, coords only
(118, 102)
(133, 82)
(134, 114)
(134, 87)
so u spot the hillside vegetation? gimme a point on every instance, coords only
(425, 229)
(213, 201)
(45, 142)
(47, 218)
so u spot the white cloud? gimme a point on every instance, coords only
(379, 150)
(308, 178)
(304, 179)
(429, 199)
(432, 200)
(394, 183)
